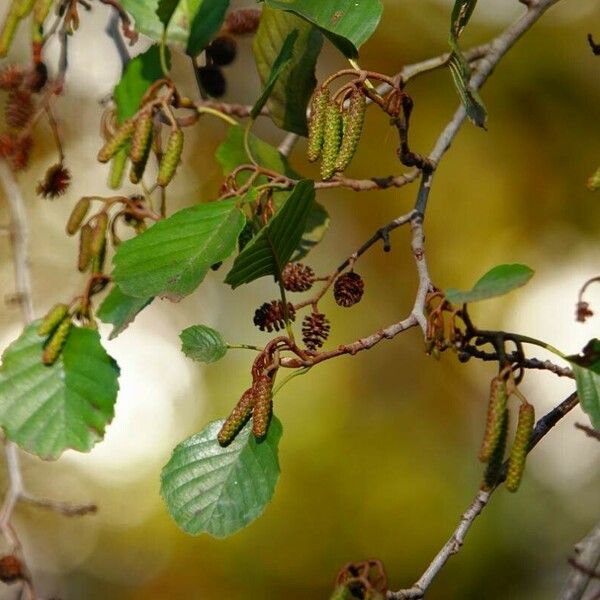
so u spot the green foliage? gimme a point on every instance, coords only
(208, 488)
(272, 248)
(293, 87)
(348, 25)
(172, 257)
(588, 389)
(203, 343)
(496, 282)
(191, 23)
(47, 409)
(120, 310)
(139, 74)
(278, 65)
(459, 68)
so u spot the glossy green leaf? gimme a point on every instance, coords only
(120, 310)
(202, 343)
(291, 92)
(459, 68)
(273, 246)
(140, 72)
(48, 409)
(496, 282)
(281, 62)
(588, 390)
(216, 490)
(172, 257)
(191, 25)
(317, 224)
(347, 24)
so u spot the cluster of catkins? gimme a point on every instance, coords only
(256, 402)
(494, 441)
(297, 277)
(137, 135)
(334, 131)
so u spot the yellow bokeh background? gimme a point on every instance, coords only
(378, 456)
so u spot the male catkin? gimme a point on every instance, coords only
(52, 319)
(118, 141)
(56, 342)
(238, 417)
(170, 158)
(354, 124)
(316, 125)
(331, 141)
(495, 415)
(263, 406)
(518, 453)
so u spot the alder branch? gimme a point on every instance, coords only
(584, 563)
(24, 297)
(480, 501)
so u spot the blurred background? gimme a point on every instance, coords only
(379, 454)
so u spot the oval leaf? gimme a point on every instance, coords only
(216, 490)
(588, 390)
(496, 282)
(191, 23)
(172, 257)
(294, 86)
(202, 343)
(47, 409)
(273, 246)
(120, 310)
(347, 24)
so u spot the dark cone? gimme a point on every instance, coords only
(222, 50)
(315, 330)
(297, 277)
(270, 315)
(348, 289)
(212, 81)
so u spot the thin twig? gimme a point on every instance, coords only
(456, 540)
(589, 431)
(585, 564)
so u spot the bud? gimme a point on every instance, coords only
(518, 453)
(78, 214)
(316, 124)
(242, 21)
(118, 141)
(52, 319)
(496, 407)
(354, 125)
(237, 419)
(332, 138)
(170, 158)
(56, 342)
(263, 406)
(85, 247)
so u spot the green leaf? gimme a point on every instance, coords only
(47, 409)
(120, 310)
(589, 357)
(191, 25)
(459, 68)
(273, 246)
(347, 24)
(202, 343)
(165, 10)
(173, 256)
(279, 64)
(588, 390)
(231, 153)
(294, 86)
(140, 72)
(496, 282)
(208, 488)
